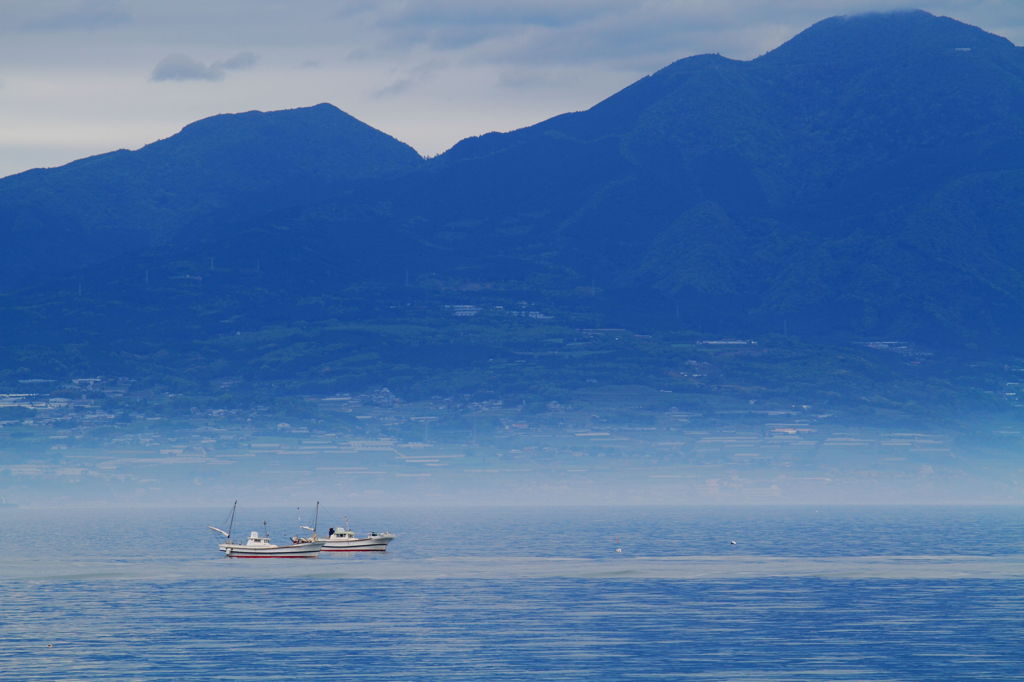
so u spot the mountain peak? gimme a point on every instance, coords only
(289, 140)
(883, 35)
(325, 117)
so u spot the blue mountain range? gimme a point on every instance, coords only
(863, 181)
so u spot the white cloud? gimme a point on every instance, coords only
(181, 67)
(242, 60)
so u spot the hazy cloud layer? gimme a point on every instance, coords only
(529, 31)
(83, 15)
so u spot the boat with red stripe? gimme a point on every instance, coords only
(260, 547)
(345, 540)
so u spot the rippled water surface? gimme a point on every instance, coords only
(803, 594)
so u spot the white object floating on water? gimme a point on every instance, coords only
(618, 550)
(732, 542)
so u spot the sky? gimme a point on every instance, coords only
(82, 77)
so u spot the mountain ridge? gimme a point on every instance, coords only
(898, 33)
(124, 201)
(714, 197)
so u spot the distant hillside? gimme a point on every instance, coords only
(215, 170)
(863, 181)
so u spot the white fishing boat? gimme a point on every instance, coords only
(259, 546)
(345, 540)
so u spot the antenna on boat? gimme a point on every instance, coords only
(316, 517)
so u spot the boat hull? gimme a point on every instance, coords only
(305, 550)
(377, 544)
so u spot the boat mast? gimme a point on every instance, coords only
(316, 515)
(231, 523)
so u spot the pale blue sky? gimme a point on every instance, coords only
(79, 77)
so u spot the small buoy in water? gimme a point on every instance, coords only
(49, 646)
(732, 542)
(618, 550)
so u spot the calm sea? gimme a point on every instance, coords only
(516, 594)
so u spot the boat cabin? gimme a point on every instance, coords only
(256, 540)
